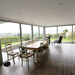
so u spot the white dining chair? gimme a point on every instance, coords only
(10, 52)
(25, 55)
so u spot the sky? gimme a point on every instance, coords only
(9, 27)
(53, 30)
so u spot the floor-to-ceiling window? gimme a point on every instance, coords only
(41, 33)
(74, 33)
(51, 32)
(35, 33)
(26, 32)
(9, 33)
(66, 32)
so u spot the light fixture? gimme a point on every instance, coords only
(60, 3)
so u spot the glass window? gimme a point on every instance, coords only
(51, 32)
(26, 32)
(9, 33)
(35, 33)
(66, 31)
(74, 33)
(41, 33)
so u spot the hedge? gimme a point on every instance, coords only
(13, 39)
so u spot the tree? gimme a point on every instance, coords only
(49, 35)
(54, 36)
(64, 32)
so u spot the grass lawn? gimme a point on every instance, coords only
(69, 40)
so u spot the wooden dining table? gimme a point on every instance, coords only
(36, 46)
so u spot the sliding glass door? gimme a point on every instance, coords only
(74, 33)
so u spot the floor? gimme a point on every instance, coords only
(60, 60)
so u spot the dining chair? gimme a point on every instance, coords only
(28, 43)
(25, 55)
(41, 49)
(10, 52)
(33, 41)
(46, 48)
(36, 40)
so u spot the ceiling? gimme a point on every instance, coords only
(38, 12)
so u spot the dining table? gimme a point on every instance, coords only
(36, 46)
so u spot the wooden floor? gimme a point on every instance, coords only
(60, 60)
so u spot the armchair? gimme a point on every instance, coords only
(59, 40)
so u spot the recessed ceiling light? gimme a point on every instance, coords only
(18, 13)
(63, 17)
(31, 21)
(60, 3)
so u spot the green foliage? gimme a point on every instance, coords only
(13, 39)
(35, 34)
(74, 36)
(54, 36)
(69, 36)
(26, 38)
(41, 36)
(3, 40)
(64, 31)
(49, 35)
